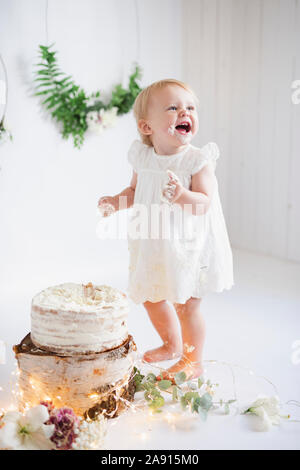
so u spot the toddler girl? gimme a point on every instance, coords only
(167, 274)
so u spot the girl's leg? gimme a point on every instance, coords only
(193, 335)
(164, 321)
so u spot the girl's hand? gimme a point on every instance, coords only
(173, 189)
(107, 205)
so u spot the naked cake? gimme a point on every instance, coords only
(79, 353)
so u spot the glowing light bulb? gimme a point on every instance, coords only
(94, 396)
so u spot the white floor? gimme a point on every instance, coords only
(253, 327)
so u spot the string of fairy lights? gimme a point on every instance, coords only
(141, 405)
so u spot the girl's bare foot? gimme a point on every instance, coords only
(163, 353)
(163, 318)
(193, 370)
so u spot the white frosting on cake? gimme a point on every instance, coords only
(74, 319)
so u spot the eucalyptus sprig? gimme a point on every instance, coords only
(190, 397)
(69, 104)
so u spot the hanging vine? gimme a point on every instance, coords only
(70, 105)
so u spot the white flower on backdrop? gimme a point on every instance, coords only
(268, 410)
(28, 431)
(99, 121)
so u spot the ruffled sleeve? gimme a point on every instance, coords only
(135, 154)
(209, 153)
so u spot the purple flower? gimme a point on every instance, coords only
(66, 427)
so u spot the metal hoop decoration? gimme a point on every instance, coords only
(4, 133)
(6, 90)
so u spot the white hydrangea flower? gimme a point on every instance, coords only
(26, 432)
(91, 434)
(268, 409)
(93, 122)
(99, 121)
(109, 117)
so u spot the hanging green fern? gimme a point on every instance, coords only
(70, 105)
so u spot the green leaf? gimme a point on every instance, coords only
(189, 395)
(42, 79)
(155, 392)
(43, 72)
(227, 409)
(183, 402)
(42, 64)
(196, 404)
(147, 386)
(174, 393)
(164, 384)
(42, 93)
(200, 381)
(206, 401)
(60, 82)
(158, 402)
(51, 105)
(138, 377)
(51, 98)
(180, 378)
(151, 377)
(43, 87)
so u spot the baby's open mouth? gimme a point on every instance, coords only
(183, 128)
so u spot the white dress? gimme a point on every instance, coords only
(176, 267)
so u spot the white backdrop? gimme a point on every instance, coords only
(241, 58)
(48, 189)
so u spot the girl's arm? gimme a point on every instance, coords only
(202, 189)
(128, 193)
(123, 200)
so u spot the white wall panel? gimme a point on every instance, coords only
(241, 58)
(293, 241)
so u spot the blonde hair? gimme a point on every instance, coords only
(141, 102)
